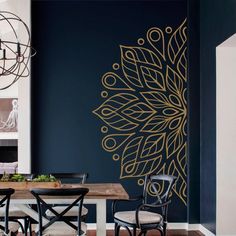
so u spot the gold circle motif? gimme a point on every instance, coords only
(115, 157)
(110, 80)
(141, 41)
(115, 66)
(104, 94)
(104, 129)
(155, 36)
(140, 182)
(168, 30)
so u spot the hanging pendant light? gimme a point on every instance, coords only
(15, 49)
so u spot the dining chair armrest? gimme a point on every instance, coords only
(115, 202)
(148, 206)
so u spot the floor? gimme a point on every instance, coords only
(154, 233)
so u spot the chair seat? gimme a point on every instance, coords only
(13, 212)
(61, 228)
(13, 227)
(72, 212)
(145, 217)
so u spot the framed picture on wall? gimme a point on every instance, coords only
(8, 115)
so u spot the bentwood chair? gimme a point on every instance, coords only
(145, 216)
(15, 214)
(59, 225)
(79, 178)
(6, 227)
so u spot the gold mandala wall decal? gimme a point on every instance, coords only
(145, 107)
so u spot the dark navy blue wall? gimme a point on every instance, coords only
(193, 112)
(218, 22)
(76, 42)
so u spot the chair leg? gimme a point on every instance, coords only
(25, 226)
(134, 231)
(117, 229)
(164, 228)
(30, 227)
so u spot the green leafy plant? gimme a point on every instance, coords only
(44, 178)
(17, 178)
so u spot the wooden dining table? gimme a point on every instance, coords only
(98, 194)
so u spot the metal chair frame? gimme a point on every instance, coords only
(79, 193)
(5, 202)
(161, 202)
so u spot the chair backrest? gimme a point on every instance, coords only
(157, 188)
(77, 200)
(5, 196)
(71, 177)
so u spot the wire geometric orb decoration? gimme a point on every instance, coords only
(15, 49)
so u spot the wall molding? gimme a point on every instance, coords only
(186, 226)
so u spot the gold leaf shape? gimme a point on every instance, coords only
(182, 65)
(178, 167)
(112, 81)
(110, 113)
(174, 141)
(174, 81)
(153, 79)
(175, 100)
(112, 142)
(132, 166)
(139, 112)
(153, 145)
(131, 57)
(155, 37)
(156, 99)
(156, 124)
(177, 42)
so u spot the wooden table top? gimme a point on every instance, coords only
(96, 190)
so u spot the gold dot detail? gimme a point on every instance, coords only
(104, 129)
(116, 66)
(115, 157)
(104, 94)
(168, 30)
(140, 182)
(141, 41)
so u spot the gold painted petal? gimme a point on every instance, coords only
(177, 42)
(109, 112)
(156, 100)
(155, 37)
(182, 65)
(153, 145)
(174, 82)
(112, 142)
(174, 141)
(139, 112)
(154, 79)
(112, 81)
(132, 166)
(156, 124)
(178, 168)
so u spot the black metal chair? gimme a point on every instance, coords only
(15, 214)
(69, 178)
(60, 225)
(7, 227)
(150, 213)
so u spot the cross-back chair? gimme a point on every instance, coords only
(58, 224)
(7, 227)
(79, 178)
(15, 214)
(151, 210)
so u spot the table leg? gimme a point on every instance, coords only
(101, 209)
(30, 212)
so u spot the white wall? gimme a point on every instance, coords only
(21, 89)
(226, 138)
